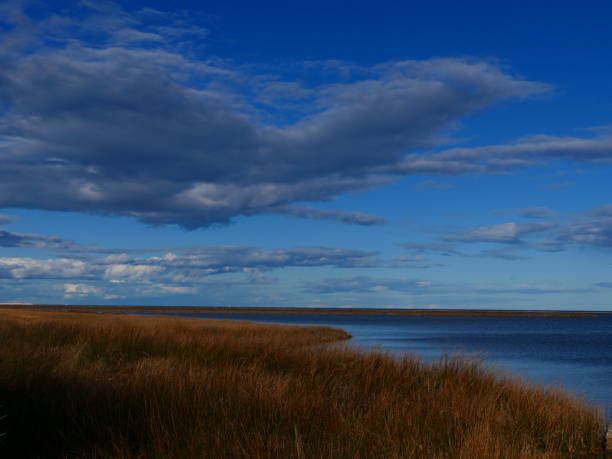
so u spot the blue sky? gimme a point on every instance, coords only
(311, 154)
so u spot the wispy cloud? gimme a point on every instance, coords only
(377, 285)
(559, 232)
(356, 218)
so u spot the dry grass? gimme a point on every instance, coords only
(97, 386)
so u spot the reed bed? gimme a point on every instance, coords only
(105, 386)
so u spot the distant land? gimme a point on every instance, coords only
(299, 310)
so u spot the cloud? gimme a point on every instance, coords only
(365, 284)
(502, 254)
(529, 151)
(441, 248)
(560, 186)
(357, 218)
(81, 290)
(536, 212)
(412, 262)
(130, 273)
(194, 265)
(595, 232)
(31, 268)
(506, 233)
(592, 228)
(10, 239)
(6, 219)
(433, 185)
(603, 211)
(126, 123)
(226, 259)
(374, 285)
(165, 289)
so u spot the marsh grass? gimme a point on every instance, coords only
(97, 386)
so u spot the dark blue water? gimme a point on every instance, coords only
(572, 352)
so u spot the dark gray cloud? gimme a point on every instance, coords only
(357, 218)
(128, 124)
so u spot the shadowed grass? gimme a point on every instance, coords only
(93, 386)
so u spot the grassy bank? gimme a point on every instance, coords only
(92, 385)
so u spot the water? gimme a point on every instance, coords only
(571, 352)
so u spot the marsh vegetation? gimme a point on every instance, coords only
(100, 385)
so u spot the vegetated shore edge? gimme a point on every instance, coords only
(302, 310)
(108, 385)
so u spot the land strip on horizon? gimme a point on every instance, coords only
(298, 310)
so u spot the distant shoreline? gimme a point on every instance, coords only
(343, 311)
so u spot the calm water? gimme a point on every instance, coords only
(573, 352)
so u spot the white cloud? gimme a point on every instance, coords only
(130, 273)
(80, 290)
(20, 268)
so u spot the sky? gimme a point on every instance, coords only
(306, 154)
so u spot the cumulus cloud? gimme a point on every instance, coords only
(130, 273)
(31, 268)
(192, 265)
(80, 290)
(115, 126)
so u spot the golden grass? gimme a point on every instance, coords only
(98, 386)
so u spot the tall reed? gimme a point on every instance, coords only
(98, 386)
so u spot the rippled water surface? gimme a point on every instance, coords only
(574, 352)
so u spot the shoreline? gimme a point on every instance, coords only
(134, 386)
(298, 310)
